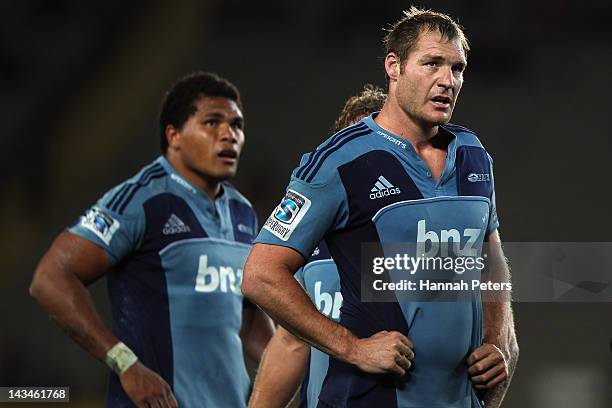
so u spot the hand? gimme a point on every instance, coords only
(146, 388)
(384, 352)
(487, 366)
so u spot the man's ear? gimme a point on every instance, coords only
(392, 66)
(173, 136)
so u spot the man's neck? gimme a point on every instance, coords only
(210, 187)
(396, 121)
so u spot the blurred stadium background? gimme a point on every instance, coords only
(81, 83)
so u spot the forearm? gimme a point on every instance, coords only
(280, 372)
(494, 397)
(496, 304)
(274, 289)
(69, 304)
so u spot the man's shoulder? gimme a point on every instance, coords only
(319, 166)
(465, 136)
(129, 195)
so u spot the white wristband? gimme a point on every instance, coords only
(119, 358)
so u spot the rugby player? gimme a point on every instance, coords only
(287, 358)
(172, 241)
(423, 168)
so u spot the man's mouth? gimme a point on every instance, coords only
(441, 101)
(228, 155)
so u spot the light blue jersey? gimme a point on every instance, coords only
(175, 290)
(319, 277)
(366, 185)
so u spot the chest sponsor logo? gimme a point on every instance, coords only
(287, 215)
(431, 243)
(383, 188)
(326, 303)
(175, 225)
(476, 177)
(217, 279)
(100, 223)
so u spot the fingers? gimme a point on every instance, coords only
(488, 366)
(501, 377)
(490, 374)
(403, 362)
(172, 402)
(405, 340)
(485, 364)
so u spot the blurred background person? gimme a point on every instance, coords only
(172, 241)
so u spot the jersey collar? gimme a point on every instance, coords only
(184, 183)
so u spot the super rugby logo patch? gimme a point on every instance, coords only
(287, 215)
(100, 223)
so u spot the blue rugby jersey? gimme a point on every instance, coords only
(319, 277)
(175, 291)
(365, 184)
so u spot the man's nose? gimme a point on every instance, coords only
(447, 79)
(227, 133)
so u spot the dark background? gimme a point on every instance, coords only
(81, 84)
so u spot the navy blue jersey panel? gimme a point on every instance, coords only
(139, 303)
(344, 384)
(348, 386)
(243, 221)
(363, 319)
(361, 176)
(168, 219)
(473, 172)
(138, 292)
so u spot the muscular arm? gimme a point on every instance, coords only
(268, 282)
(59, 286)
(256, 331)
(280, 372)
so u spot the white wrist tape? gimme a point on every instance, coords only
(119, 358)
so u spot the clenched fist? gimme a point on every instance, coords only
(487, 366)
(384, 352)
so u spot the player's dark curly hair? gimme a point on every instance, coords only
(371, 99)
(179, 102)
(403, 35)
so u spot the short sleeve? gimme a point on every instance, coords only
(493, 219)
(299, 276)
(305, 215)
(117, 233)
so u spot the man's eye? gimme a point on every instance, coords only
(237, 125)
(431, 63)
(211, 122)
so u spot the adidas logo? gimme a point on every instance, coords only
(174, 225)
(383, 188)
